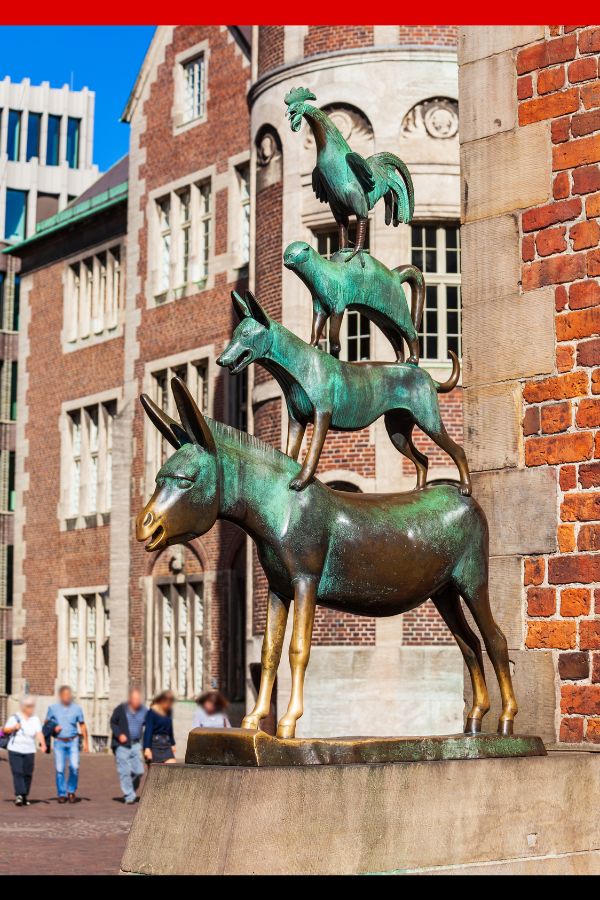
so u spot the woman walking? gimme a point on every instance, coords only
(211, 712)
(159, 740)
(24, 729)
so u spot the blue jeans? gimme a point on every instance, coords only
(130, 767)
(66, 751)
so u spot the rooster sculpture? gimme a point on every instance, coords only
(351, 184)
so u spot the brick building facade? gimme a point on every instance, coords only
(216, 188)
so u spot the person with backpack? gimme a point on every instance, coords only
(23, 729)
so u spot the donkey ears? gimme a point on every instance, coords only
(168, 427)
(192, 419)
(249, 308)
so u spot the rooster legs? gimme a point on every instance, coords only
(361, 233)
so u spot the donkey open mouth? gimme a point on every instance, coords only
(158, 539)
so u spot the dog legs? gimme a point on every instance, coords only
(399, 427)
(311, 461)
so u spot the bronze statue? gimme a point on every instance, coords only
(351, 184)
(320, 389)
(374, 555)
(372, 289)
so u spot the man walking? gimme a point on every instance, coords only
(126, 724)
(68, 723)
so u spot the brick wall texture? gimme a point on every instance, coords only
(558, 83)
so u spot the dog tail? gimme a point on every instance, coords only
(447, 386)
(415, 278)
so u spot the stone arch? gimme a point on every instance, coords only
(356, 483)
(190, 558)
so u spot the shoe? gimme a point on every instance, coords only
(26, 802)
(130, 802)
(62, 799)
(72, 798)
(19, 800)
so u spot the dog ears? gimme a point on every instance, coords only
(256, 310)
(240, 306)
(248, 307)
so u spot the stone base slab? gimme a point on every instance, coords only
(242, 747)
(533, 814)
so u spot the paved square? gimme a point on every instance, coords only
(86, 838)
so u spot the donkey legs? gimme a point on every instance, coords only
(400, 428)
(305, 599)
(447, 603)
(277, 613)
(495, 643)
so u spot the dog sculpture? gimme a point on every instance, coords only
(371, 555)
(370, 288)
(320, 389)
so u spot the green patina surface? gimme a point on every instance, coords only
(363, 284)
(347, 181)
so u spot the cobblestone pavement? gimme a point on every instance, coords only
(86, 838)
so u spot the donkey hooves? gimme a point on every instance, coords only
(473, 726)
(505, 727)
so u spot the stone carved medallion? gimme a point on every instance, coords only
(437, 118)
(350, 122)
(266, 148)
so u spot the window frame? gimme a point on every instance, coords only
(78, 456)
(179, 119)
(169, 589)
(73, 645)
(441, 280)
(104, 295)
(170, 234)
(54, 118)
(25, 217)
(13, 153)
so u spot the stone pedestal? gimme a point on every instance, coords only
(535, 815)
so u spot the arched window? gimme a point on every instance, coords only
(344, 486)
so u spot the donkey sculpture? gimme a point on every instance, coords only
(371, 555)
(343, 396)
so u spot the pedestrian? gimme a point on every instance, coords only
(159, 740)
(24, 729)
(211, 711)
(127, 725)
(70, 727)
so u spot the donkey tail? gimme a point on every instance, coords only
(447, 386)
(415, 278)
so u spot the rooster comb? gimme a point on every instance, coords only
(298, 95)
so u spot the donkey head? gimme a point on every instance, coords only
(185, 503)
(251, 339)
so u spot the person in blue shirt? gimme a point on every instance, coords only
(127, 725)
(159, 741)
(67, 721)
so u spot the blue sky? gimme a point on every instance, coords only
(104, 58)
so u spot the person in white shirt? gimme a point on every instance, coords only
(24, 729)
(211, 711)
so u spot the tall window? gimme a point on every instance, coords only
(15, 223)
(179, 636)
(356, 329)
(184, 221)
(93, 296)
(238, 394)
(89, 470)
(53, 141)
(185, 234)
(13, 146)
(73, 132)
(164, 220)
(34, 130)
(436, 250)
(195, 375)
(244, 187)
(84, 647)
(194, 89)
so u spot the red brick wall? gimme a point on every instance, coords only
(558, 83)
(434, 35)
(270, 47)
(201, 319)
(328, 38)
(54, 559)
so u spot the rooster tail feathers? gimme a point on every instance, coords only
(399, 196)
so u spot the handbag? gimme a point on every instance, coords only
(5, 738)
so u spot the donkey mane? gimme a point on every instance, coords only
(244, 440)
